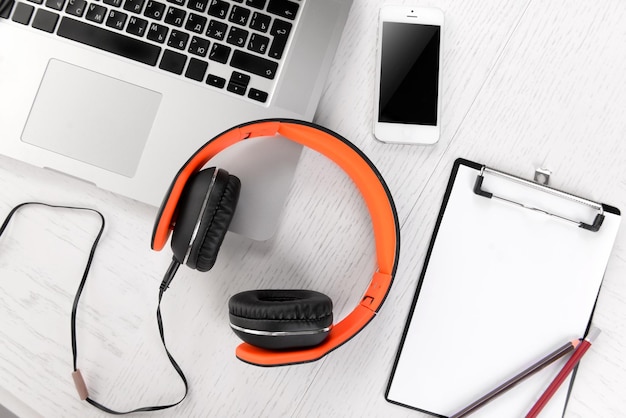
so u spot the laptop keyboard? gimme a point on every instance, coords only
(237, 45)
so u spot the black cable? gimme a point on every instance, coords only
(167, 279)
(169, 275)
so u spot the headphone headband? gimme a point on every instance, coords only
(371, 186)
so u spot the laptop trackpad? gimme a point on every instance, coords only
(91, 117)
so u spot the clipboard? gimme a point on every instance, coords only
(513, 271)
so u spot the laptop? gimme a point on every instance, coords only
(120, 93)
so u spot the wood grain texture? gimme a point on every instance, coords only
(526, 84)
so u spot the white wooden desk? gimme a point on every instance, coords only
(526, 84)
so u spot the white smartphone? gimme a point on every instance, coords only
(408, 75)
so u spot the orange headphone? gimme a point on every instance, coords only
(279, 327)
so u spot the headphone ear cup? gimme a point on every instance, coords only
(281, 319)
(215, 224)
(205, 209)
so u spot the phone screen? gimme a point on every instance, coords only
(409, 79)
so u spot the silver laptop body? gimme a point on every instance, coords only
(82, 107)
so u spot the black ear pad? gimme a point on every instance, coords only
(281, 319)
(219, 211)
(205, 209)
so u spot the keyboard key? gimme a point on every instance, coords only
(177, 2)
(116, 20)
(45, 20)
(258, 43)
(239, 15)
(195, 23)
(257, 4)
(172, 62)
(134, 6)
(217, 30)
(258, 95)
(236, 88)
(110, 41)
(175, 16)
(219, 53)
(5, 11)
(55, 4)
(157, 33)
(114, 3)
(240, 78)
(196, 69)
(198, 5)
(178, 39)
(216, 81)
(96, 13)
(199, 46)
(154, 10)
(219, 8)
(23, 13)
(254, 64)
(76, 7)
(280, 31)
(136, 26)
(237, 36)
(260, 22)
(284, 8)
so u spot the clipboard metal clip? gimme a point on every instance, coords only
(594, 226)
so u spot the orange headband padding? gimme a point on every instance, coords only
(377, 198)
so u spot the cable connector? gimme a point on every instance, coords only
(81, 387)
(169, 275)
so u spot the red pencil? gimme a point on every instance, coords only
(565, 371)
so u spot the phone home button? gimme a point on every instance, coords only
(408, 132)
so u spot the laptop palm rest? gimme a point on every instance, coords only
(91, 117)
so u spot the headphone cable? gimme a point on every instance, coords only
(167, 279)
